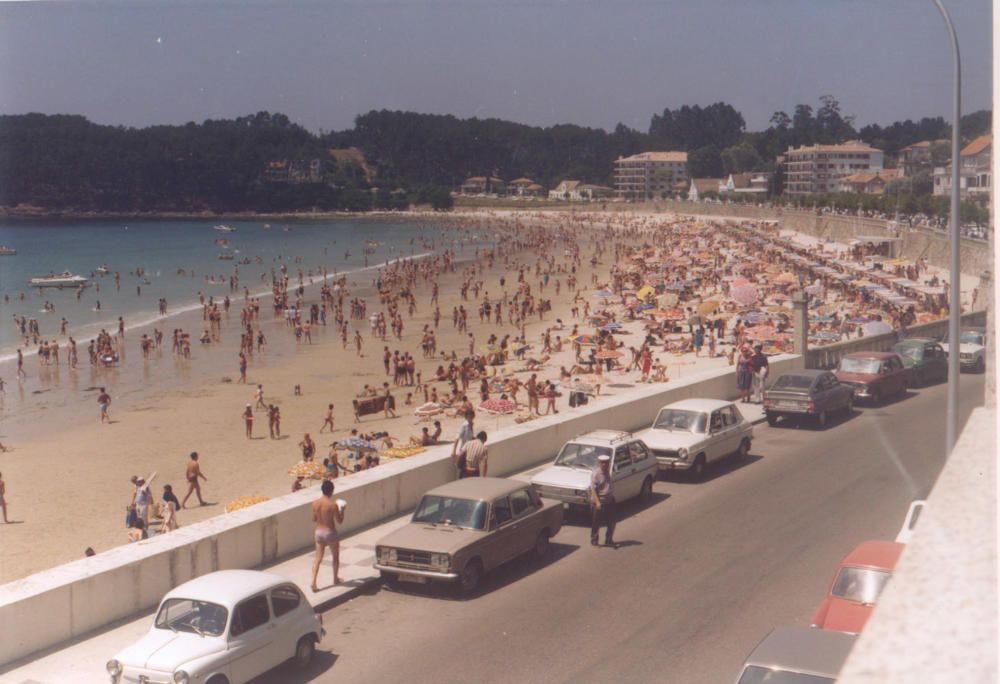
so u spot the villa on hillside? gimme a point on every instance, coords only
(564, 190)
(483, 185)
(525, 187)
(747, 183)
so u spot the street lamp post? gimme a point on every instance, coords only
(955, 302)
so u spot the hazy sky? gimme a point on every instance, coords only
(541, 62)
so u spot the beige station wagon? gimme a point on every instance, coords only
(465, 528)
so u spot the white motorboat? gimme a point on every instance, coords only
(223, 228)
(64, 279)
(103, 269)
(7, 251)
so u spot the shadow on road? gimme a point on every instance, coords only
(287, 673)
(712, 470)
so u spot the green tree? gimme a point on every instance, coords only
(705, 162)
(740, 158)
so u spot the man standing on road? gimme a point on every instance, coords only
(759, 364)
(602, 502)
(472, 458)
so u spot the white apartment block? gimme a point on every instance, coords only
(819, 168)
(649, 174)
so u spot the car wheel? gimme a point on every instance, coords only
(646, 493)
(304, 651)
(390, 579)
(468, 581)
(772, 419)
(743, 451)
(542, 545)
(821, 419)
(698, 468)
(218, 679)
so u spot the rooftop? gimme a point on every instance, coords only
(803, 649)
(477, 488)
(227, 587)
(977, 145)
(656, 157)
(849, 146)
(875, 554)
(698, 404)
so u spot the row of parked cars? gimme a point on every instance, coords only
(871, 377)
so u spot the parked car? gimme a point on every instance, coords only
(874, 375)
(466, 528)
(910, 521)
(807, 393)
(971, 349)
(797, 655)
(633, 468)
(926, 359)
(226, 627)
(688, 435)
(856, 585)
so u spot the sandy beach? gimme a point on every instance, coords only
(67, 474)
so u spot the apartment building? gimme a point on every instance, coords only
(820, 168)
(974, 171)
(649, 174)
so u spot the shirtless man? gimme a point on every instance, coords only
(3, 498)
(326, 514)
(328, 421)
(192, 474)
(104, 401)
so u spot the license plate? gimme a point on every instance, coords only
(413, 579)
(787, 405)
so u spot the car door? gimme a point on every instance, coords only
(502, 543)
(251, 639)
(734, 428)
(642, 461)
(939, 362)
(527, 519)
(285, 602)
(716, 446)
(623, 475)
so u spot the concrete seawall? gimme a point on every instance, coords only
(69, 601)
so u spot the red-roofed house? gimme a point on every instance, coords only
(974, 171)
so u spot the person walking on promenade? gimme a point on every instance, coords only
(326, 513)
(744, 373)
(192, 474)
(104, 401)
(761, 368)
(602, 502)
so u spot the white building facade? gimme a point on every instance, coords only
(649, 175)
(819, 168)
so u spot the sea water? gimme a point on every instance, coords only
(178, 261)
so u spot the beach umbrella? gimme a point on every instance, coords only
(706, 308)
(585, 340)
(356, 444)
(737, 282)
(876, 328)
(245, 501)
(401, 452)
(744, 294)
(308, 469)
(644, 292)
(498, 406)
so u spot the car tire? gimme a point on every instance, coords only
(697, 471)
(305, 649)
(541, 549)
(742, 451)
(646, 492)
(218, 679)
(468, 579)
(772, 419)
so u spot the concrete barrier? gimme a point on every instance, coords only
(71, 600)
(829, 356)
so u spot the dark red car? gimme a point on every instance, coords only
(874, 375)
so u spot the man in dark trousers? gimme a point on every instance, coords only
(602, 502)
(760, 370)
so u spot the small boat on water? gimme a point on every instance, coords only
(7, 251)
(226, 256)
(103, 269)
(223, 228)
(64, 279)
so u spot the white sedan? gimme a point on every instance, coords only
(690, 434)
(225, 627)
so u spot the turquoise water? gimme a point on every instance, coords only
(147, 256)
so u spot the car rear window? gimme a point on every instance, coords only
(285, 599)
(862, 585)
(794, 382)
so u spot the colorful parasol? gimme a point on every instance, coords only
(308, 469)
(245, 501)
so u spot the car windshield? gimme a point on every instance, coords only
(866, 366)
(862, 585)
(793, 382)
(581, 455)
(448, 510)
(190, 615)
(971, 337)
(677, 419)
(754, 674)
(910, 351)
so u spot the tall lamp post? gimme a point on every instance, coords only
(955, 301)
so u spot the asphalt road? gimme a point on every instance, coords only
(704, 572)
